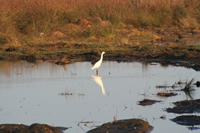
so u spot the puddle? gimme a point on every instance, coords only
(71, 95)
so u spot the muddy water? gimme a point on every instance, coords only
(71, 95)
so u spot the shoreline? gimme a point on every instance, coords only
(180, 47)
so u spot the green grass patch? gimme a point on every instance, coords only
(146, 47)
(97, 44)
(42, 44)
(3, 39)
(1, 52)
(196, 47)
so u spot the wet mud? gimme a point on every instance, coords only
(163, 94)
(124, 126)
(186, 106)
(147, 102)
(187, 120)
(34, 128)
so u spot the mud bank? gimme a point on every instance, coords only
(166, 55)
(186, 106)
(121, 126)
(124, 126)
(147, 102)
(187, 120)
(34, 128)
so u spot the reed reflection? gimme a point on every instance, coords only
(18, 68)
(99, 81)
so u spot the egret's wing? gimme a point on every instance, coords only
(96, 65)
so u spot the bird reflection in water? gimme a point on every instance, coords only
(98, 80)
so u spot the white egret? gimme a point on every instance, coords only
(98, 63)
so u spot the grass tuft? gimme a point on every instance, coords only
(188, 86)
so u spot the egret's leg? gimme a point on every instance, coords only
(97, 72)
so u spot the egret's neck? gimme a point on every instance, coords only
(101, 57)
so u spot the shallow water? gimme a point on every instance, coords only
(32, 93)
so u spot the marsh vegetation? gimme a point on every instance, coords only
(68, 29)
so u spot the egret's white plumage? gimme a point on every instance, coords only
(98, 63)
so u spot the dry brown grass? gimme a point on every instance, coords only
(22, 20)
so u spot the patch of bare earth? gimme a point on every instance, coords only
(124, 126)
(146, 102)
(185, 106)
(34, 128)
(163, 94)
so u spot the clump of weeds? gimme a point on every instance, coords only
(188, 86)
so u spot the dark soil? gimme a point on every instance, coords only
(146, 102)
(186, 106)
(197, 83)
(124, 126)
(188, 120)
(163, 94)
(34, 128)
